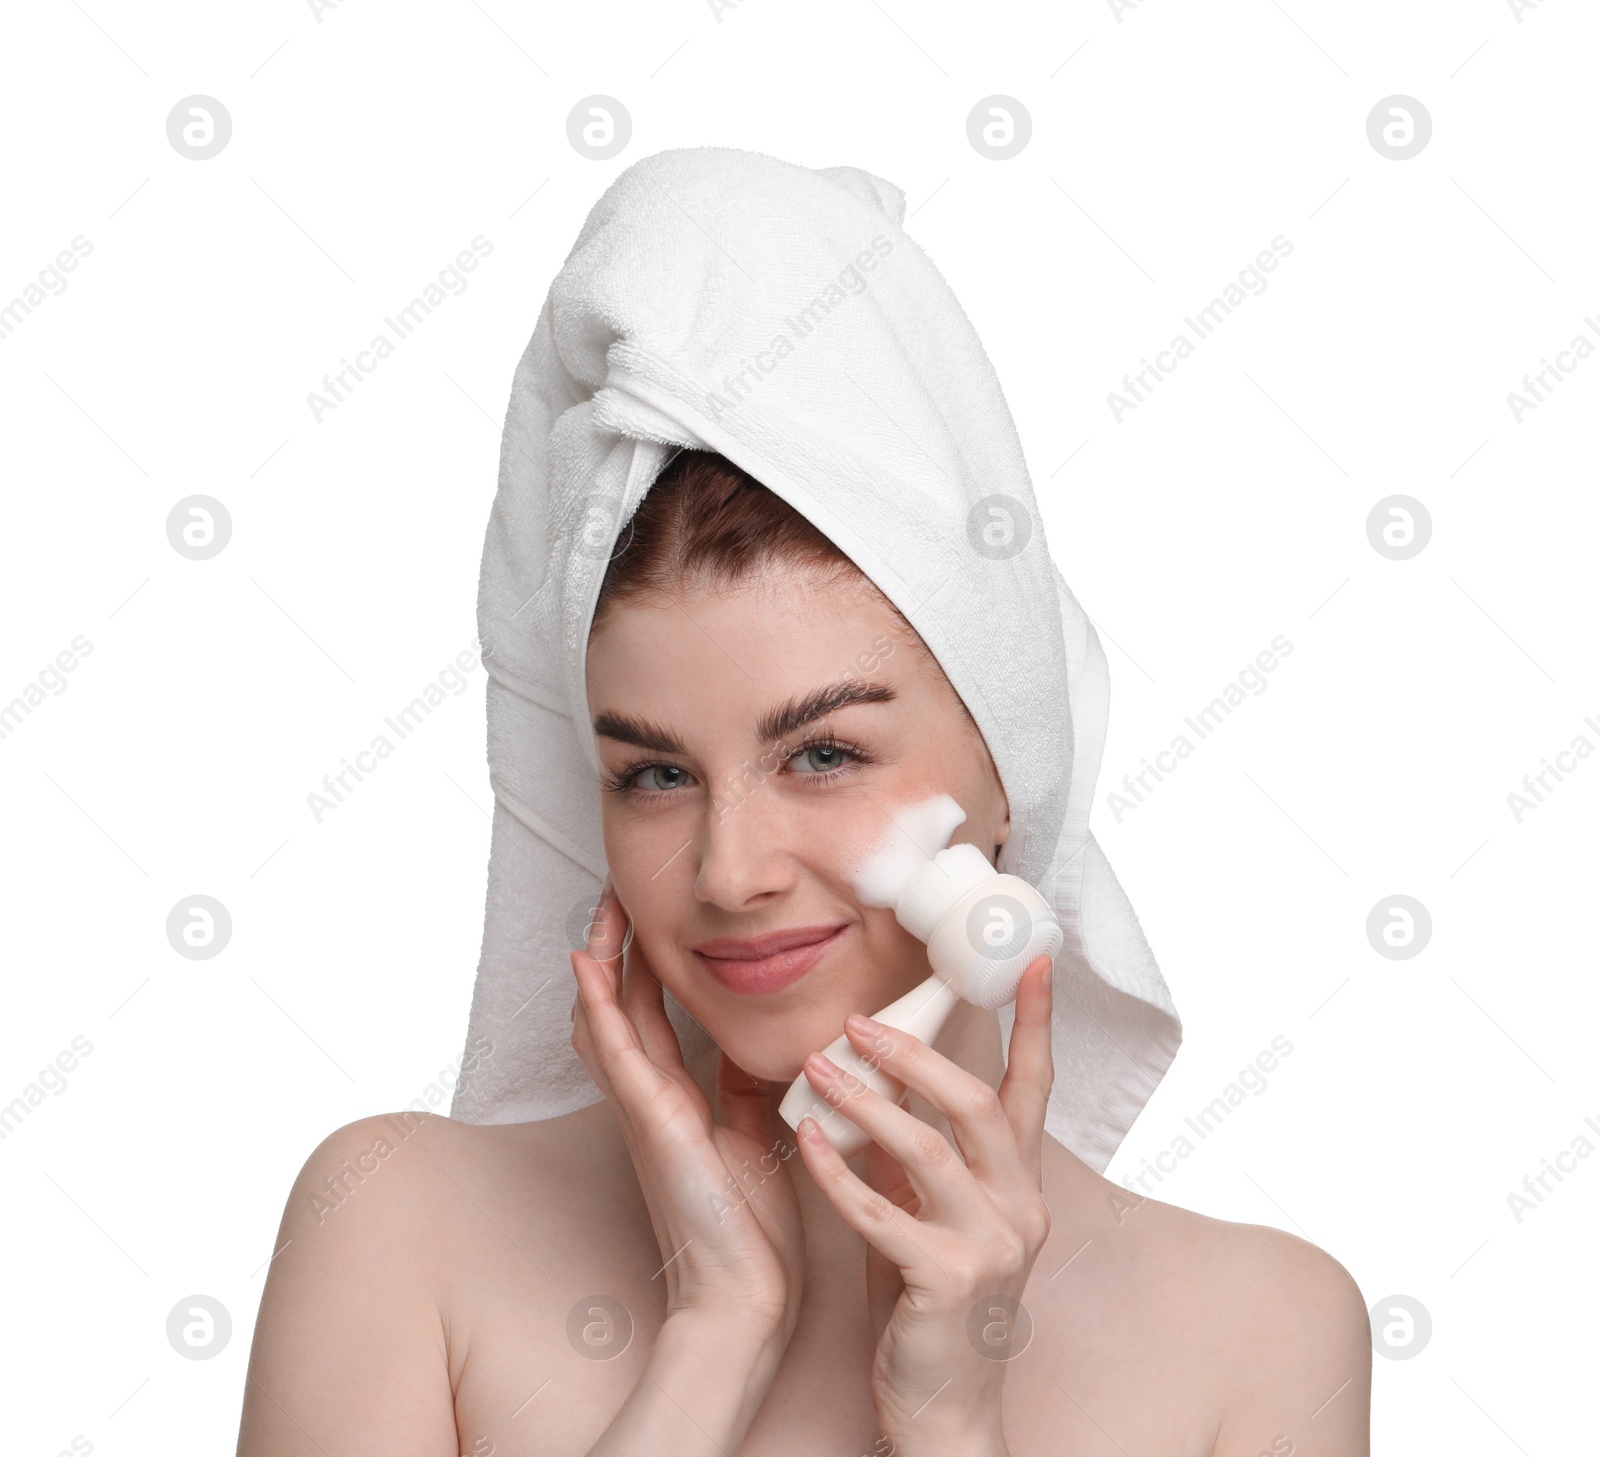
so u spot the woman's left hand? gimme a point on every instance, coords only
(952, 1236)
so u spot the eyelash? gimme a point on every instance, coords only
(621, 782)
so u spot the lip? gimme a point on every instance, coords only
(766, 963)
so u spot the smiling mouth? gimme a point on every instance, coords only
(755, 976)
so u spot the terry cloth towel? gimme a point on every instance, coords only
(724, 300)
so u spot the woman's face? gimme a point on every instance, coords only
(741, 812)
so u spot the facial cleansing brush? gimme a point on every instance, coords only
(983, 930)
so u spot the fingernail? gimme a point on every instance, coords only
(826, 1065)
(865, 1026)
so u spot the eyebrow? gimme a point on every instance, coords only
(776, 723)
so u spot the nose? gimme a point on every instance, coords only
(746, 847)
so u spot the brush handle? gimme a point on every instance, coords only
(922, 1012)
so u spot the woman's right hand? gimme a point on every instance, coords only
(725, 1213)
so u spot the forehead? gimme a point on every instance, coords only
(762, 624)
(733, 654)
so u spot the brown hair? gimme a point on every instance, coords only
(708, 522)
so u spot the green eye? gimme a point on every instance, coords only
(667, 779)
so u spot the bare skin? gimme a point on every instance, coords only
(445, 1303)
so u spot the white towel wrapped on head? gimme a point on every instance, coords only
(723, 300)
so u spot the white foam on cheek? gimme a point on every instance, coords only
(915, 834)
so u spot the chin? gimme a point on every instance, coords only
(780, 1073)
(779, 1054)
(772, 1064)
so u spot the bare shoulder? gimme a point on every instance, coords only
(448, 1193)
(351, 1305)
(423, 1166)
(359, 1345)
(1284, 1333)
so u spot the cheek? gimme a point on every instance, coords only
(633, 841)
(895, 838)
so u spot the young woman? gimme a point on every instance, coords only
(672, 1269)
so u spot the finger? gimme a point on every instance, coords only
(581, 1042)
(598, 939)
(1030, 1063)
(944, 1185)
(645, 1003)
(610, 944)
(888, 1229)
(887, 1175)
(608, 934)
(582, 1027)
(613, 1039)
(583, 1045)
(978, 1120)
(639, 994)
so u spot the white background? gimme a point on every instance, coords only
(1170, 145)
